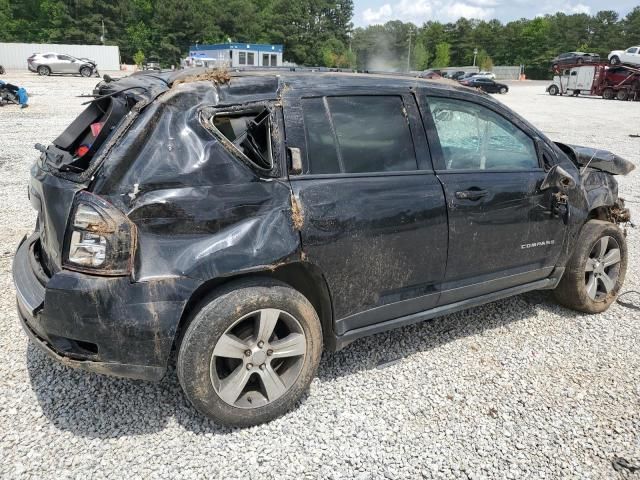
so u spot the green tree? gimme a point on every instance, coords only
(419, 57)
(484, 61)
(443, 55)
(138, 58)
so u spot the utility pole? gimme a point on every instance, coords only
(409, 54)
(475, 54)
(102, 36)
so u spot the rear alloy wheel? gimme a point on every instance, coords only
(250, 352)
(553, 90)
(615, 60)
(608, 94)
(251, 366)
(86, 71)
(44, 71)
(503, 90)
(595, 273)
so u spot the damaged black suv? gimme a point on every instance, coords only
(250, 221)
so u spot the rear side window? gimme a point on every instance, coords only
(358, 134)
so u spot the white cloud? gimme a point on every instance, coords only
(551, 7)
(458, 9)
(380, 15)
(420, 11)
(581, 8)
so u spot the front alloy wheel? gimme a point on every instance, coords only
(595, 272)
(602, 268)
(258, 358)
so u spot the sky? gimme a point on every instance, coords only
(367, 12)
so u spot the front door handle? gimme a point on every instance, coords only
(471, 194)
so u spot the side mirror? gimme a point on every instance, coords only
(559, 178)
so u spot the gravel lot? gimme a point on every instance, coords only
(520, 388)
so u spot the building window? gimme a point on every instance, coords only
(242, 58)
(274, 60)
(265, 60)
(250, 58)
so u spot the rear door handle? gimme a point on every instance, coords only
(471, 194)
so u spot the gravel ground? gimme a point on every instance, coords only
(519, 388)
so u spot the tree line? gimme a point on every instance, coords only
(532, 43)
(313, 32)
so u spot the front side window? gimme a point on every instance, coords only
(473, 137)
(358, 134)
(64, 57)
(632, 50)
(242, 58)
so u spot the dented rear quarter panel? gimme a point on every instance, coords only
(200, 211)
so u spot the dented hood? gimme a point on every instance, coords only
(597, 158)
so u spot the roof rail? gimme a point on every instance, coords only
(319, 69)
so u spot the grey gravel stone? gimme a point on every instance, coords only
(520, 388)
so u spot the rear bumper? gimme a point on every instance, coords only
(105, 325)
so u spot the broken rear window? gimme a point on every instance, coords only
(249, 131)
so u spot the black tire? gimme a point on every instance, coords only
(86, 71)
(503, 90)
(615, 60)
(572, 289)
(576, 93)
(219, 312)
(44, 71)
(608, 94)
(554, 90)
(622, 95)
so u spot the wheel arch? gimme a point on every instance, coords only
(304, 277)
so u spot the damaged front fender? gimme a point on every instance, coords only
(603, 160)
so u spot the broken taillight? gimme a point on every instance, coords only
(100, 239)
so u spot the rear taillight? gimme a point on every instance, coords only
(100, 239)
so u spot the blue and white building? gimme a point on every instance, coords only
(235, 55)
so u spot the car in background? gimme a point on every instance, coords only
(489, 75)
(429, 74)
(153, 64)
(485, 84)
(630, 56)
(47, 63)
(574, 58)
(457, 75)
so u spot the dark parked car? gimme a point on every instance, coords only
(485, 84)
(251, 222)
(457, 75)
(574, 58)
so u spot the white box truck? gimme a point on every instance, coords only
(573, 81)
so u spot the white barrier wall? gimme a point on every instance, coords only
(14, 55)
